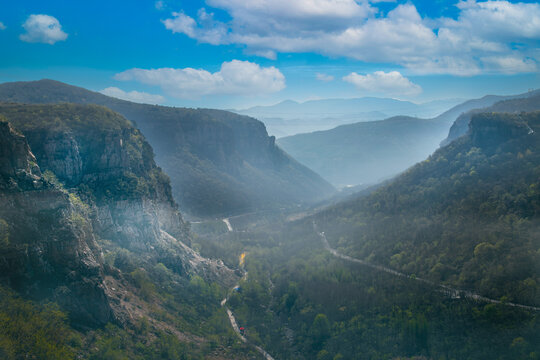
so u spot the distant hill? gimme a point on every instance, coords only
(290, 117)
(468, 216)
(219, 162)
(369, 152)
(525, 102)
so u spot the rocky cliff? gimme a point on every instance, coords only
(101, 183)
(48, 249)
(519, 103)
(107, 162)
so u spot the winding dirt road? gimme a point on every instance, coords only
(447, 290)
(234, 324)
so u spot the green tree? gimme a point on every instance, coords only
(320, 330)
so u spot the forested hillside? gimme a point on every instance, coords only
(466, 216)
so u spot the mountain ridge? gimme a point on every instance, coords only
(219, 162)
(369, 152)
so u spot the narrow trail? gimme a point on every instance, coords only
(447, 290)
(234, 324)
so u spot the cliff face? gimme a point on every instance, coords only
(219, 162)
(525, 102)
(103, 158)
(489, 130)
(102, 183)
(47, 248)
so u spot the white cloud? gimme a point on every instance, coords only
(498, 19)
(2, 26)
(280, 16)
(234, 78)
(135, 96)
(209, 31)
(355, 29)
(324, 77)
(391, 83)
(43, 29)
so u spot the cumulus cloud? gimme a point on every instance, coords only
(234, 78)
(206, 31)
(483, 31)
(2, 26)
(43, 29)
(135, 96)
(391, 83)
(324, 77)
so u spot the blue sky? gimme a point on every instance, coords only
(238, 53)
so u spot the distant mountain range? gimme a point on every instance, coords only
(368, 152)
(219, 162)
(291, 117)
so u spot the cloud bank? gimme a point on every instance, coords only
(388, 83)
(489, 36)
(234, 78)
(134, 96)
(43, 29)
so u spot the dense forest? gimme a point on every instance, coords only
(466, 217)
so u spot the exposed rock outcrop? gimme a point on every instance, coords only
(99, 156)
(48, 249)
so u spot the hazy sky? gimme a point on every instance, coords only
(237, 53)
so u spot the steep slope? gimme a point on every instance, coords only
(525, 102)
(369, 152)
(219, 162)
(107, 164)
(468, 216)
(48, 249)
